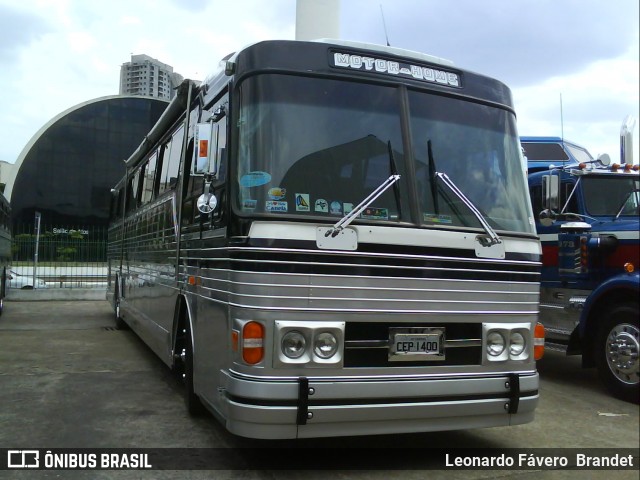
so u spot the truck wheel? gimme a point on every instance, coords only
(617, 349)
(194, 405)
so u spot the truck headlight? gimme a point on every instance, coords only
(495, 344)
(293, 344)
(517, 344)
(325, 345)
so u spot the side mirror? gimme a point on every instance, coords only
(203, 150)
(207, 203)
(551, 192)
(604, 160)
(546, 218)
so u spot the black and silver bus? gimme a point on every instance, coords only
(329, 238)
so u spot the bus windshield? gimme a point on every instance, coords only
(317, 147)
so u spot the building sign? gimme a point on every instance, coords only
(394, 68)
(66, 231)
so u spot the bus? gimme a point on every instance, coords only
(329, 238)
(5, 247)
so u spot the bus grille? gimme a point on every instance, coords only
(366, 345)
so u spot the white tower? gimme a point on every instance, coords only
(317, 19)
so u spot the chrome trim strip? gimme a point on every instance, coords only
(380, 378)
(371, 254)
(326, 275)
(368, 265)
(361, 344)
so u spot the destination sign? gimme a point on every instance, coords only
(399, 69)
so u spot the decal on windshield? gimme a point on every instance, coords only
(433, 218)
(277, 193)
(302, 202)
(375, 213)
(275, 206)
(321, 205)
(255, 179)
(336, 208)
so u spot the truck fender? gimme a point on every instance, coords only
(621, 288)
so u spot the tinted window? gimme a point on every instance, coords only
(544, 151)
(171, 161)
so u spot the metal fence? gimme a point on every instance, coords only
(66, 258)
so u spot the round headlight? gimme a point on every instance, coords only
(517, 344)
(325, 345)
(293, 344)
(495, 344)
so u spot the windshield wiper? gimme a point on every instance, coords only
(491, 233)
(624, 202)
(394, 171)
(351, 216)
(433, 178)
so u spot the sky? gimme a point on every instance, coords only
(572, 65)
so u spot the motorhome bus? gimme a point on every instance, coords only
(328, 238)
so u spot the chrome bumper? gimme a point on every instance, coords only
(320, 407)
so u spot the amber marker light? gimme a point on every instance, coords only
(253, 343)
(629, 267)
(538, 342)
(234, 340)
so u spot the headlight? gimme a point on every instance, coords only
(325, 345)
(495, 344)
(517, 344)
(293, 344)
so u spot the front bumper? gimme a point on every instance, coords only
(321, 407)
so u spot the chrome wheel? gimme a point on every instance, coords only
(621, 350)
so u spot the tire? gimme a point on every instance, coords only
(617, 349)
(192, 401)
(3, 288)
(120, 323)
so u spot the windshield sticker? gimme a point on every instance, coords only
(274, 206)
(375, 213)
(336, 208)
(347, 207)
(255, 179)
(302, 202)
(249, 204)
(321, 205)
(277, 193)
(433, 218)
(399, 69)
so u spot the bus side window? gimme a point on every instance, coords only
(171, 161)
(149, 181)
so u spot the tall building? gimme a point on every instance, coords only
(147, 77)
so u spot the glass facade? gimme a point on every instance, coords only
(68, 173)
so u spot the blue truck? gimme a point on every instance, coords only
(587, 218)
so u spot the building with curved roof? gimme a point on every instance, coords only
(67, 169)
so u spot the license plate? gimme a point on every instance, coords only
(416, 344)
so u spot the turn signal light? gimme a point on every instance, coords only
(253, 343)
(629, 267)
(538, 342)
